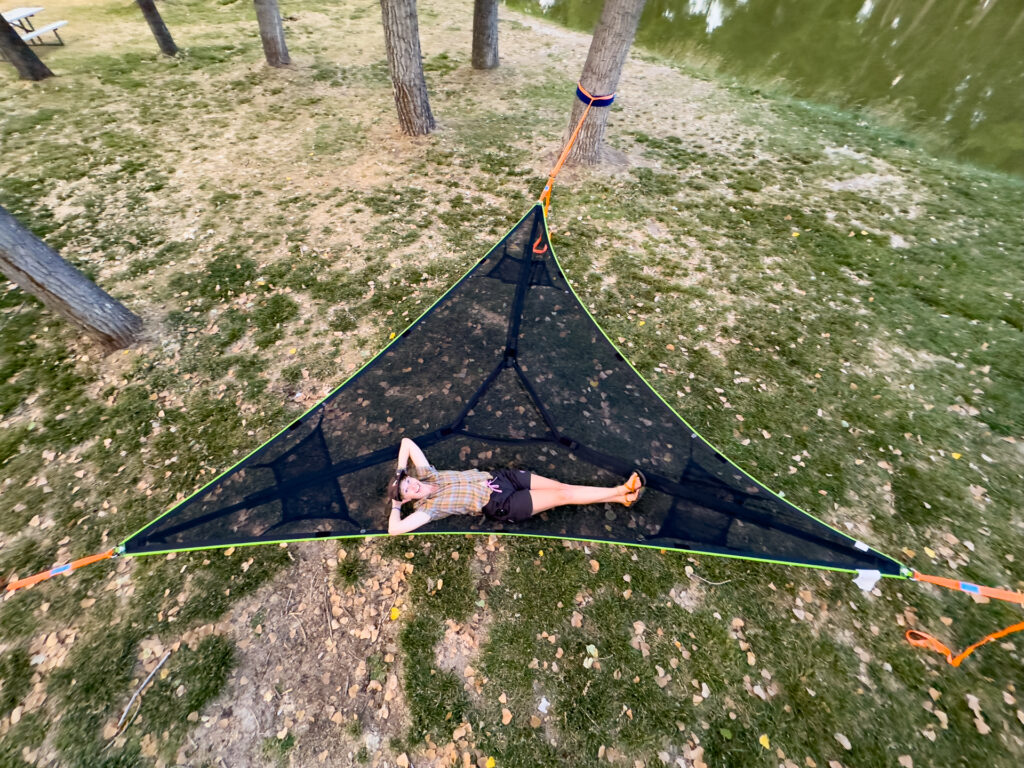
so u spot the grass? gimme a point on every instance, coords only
(855, 300)
(277, 749)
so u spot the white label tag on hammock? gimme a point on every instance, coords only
(860, 545)
(866, 580)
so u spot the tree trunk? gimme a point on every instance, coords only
(485, 34)
(159, 29)
(608, 50)
(272, 33)
(39, 270)
(18, 52)
(405, 63)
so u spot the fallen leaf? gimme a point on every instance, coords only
(979, 722)
(845, 742)
(506, 716)
(764, 741)
(394, 614)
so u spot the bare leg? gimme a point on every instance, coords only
(540, 483)
(574, 495)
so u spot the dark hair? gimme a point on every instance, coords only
(395, 489)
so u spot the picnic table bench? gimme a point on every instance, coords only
(21, 18)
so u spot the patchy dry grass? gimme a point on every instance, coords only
(855, 301)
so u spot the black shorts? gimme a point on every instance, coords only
(511, 503)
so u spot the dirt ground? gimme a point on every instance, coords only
(303, 648)
(320, 663)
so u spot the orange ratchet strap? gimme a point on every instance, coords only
(923, 640)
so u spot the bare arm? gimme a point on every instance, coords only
(397, 524)
(409, 450)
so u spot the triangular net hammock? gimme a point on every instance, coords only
(509, 370)
(506, 370)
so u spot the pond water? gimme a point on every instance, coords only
(953, 69)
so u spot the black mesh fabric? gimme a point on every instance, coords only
(506, 370)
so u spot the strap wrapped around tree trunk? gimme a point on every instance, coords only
(590, 101)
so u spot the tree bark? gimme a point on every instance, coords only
(18, 52)
(485, 34)
(405, 63)
(39, 270)
(608, 51)
(272, 33)
(157, 26)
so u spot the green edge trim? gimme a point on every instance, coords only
(321, 402)
(544, 536)
(904, 571)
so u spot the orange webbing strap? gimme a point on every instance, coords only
(924, 640)
(74, 565)
(545, 196)
(972, 589)
(929, 643)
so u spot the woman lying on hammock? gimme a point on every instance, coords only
(510, 495)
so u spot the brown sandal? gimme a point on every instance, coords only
(634, 487)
